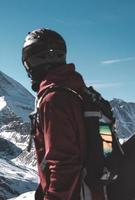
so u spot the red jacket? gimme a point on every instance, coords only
(60, 137)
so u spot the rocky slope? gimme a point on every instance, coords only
(125, 117)
(17, 175)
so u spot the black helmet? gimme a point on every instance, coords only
(43, 48)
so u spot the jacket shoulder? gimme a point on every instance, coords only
(61, 97)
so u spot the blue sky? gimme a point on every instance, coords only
(100, 37)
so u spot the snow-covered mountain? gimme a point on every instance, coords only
(19, 174)
(14, 98)
(25, 196)
(125, 117)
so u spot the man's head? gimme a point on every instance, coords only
(43, 50)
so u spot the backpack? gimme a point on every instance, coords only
(104, 151)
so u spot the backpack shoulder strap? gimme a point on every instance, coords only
(99, 103)
(58, 88)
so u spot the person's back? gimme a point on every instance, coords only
(60, 137)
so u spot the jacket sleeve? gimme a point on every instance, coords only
(61, 115)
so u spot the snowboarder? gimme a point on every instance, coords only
(60, 132)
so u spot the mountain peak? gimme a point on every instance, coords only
(14, 96)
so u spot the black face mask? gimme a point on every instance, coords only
(39, 73)
(36, 76)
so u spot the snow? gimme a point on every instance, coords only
(125, 117)
(17, 98)
(16, 179)
(2, 103)
(13, 137)
(25, 196)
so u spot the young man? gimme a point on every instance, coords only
(60, 137)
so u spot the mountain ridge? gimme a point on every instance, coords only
(16, 97)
